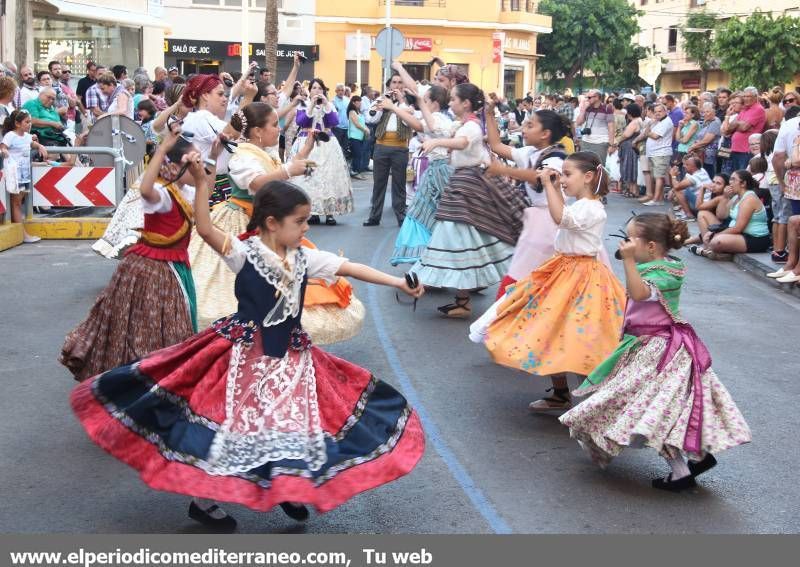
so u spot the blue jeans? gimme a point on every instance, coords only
(360, 158)
(739, 160)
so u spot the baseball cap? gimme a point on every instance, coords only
(628, 96)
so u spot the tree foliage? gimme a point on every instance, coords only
(699, 45)
(761, 51)
(597, 34)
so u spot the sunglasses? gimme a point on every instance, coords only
(789, 100)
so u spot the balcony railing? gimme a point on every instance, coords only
(420, 3)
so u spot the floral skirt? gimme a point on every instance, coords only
(329, 187)
(639, 406)
(169, 417)
(147, 305)
(566, 316)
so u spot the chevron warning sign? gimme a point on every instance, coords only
(64, 186)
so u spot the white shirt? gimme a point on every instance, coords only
(787, 134)
(475, 153)
(164, 202)
(662, 146)
(698, 178)
(19, 148)
(26, 93)
(525, 158)
(321, 265)
(442, 127)
(243, 169)
(581, 230)
(202, 124)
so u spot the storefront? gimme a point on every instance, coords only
(75, 33)
(193, 56)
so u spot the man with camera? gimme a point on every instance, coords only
(390, 156)
(595, 123)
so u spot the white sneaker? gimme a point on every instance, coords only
(790, 277)
(779, 274)
(28, 239)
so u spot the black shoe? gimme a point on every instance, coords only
(298, 513)
(674, 485)
(226, 523)
(313, 219)
(780, 257)
(699, 467)
(371, 223)
(330, 221)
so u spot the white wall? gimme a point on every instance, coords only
(221, 23)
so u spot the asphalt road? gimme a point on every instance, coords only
(489, 467)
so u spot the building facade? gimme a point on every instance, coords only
(493, 40)
(206, 35)
(660, 31)
(128, 32)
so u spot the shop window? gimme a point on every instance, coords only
(672, 40)
(76, 43)
(418, 72)
(233, 2)
(350, 72)
(516, 5)
(206, 2)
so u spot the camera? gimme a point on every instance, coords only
(319, 101)
(373, 112)
(411, 99)
(586, 131)
(322, 136)
(228, 83)
(302, 58)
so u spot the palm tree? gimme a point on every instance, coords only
(271, 35)
(21, 34)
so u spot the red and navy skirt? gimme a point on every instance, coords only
(160, 415)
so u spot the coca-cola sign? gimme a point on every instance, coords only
(412, 43)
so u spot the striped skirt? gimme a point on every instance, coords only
(416, 231)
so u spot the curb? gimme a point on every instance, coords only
(756, 267)
(10, 236)
(64, 228)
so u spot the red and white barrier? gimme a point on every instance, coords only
(64, 186)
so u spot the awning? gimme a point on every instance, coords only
(102, 14)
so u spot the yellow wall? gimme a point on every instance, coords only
(671, 82)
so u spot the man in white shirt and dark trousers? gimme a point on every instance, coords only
(390, 157)
(658, 149)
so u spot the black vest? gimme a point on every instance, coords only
(257, 298)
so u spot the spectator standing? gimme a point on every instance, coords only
(750, 120)
(688, 128)
(341, 103)
(17, 144)
(676, 114)
(723, 100)
(628, 156)
(28, 89)
(658, 148)
(119, 100)
(85, 83)
(774, 112)
(96, 102)
(357, 133)
(595, 122)
(707, 140)
(390, 157)
(789, 100)
(64, 92)
(786, 163)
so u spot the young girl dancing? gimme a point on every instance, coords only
(150, 301)
(415, 232)
(566, 316)
(657, 389)
(249, 411)
(479, 217)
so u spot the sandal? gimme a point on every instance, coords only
(696, 250)
(559, 401)
(458, 310)
(330, 221)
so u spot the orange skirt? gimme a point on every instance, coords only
(566, 316)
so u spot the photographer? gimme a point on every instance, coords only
(595, 123)
(390, 155)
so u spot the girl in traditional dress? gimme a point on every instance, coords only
(332, 313)
(541, 133)
(479, 218)
(150, 301)
(658, 388)
(329, 188)
(205, 95)
(415, 232)
(566, 316)
(249, 411)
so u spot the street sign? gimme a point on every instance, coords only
(390, 43)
